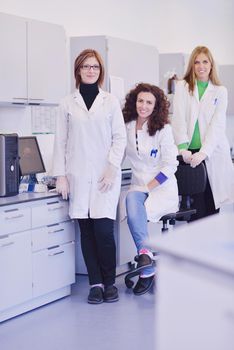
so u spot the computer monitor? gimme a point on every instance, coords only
(31, 162)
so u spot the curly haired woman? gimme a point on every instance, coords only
(152, 153)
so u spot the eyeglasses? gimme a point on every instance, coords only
(95, 67)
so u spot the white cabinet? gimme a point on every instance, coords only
(53, 268)
(13, 67)
(46, 63)
(15, 269)
(15, 256)
(37, 254)
(53, 247)
(32, 61)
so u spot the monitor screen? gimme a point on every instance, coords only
(31, 161)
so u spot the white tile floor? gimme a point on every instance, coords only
(71, 323)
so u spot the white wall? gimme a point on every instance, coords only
(171, 26)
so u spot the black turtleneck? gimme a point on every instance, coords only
(89, 93)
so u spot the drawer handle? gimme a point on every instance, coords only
(6, 244)
(61, 252)
(56, 208)
(4, 236)
(14, 217)
(55, 231)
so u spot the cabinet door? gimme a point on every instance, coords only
(46, 63)
(13, 84)
(15, 269)
(53, 268)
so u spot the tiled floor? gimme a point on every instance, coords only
(71, 323)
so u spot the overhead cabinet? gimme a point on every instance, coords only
(32, 61)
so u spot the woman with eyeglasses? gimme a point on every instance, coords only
(199, 122)
(89, 145)
(152, 152)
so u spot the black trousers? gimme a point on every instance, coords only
(99, 250)
(203, 202)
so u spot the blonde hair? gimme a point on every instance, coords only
(80, 60)
(190, 76)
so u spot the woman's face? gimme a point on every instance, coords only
(145, 105)
(202, 67)
(90, 70)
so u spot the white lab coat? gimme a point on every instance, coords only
(163, 199)
(210, 112)
(85, 141)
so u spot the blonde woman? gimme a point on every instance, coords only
(199, 121)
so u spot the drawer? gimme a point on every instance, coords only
(14, 219)
(53, 269)
(51, 235)
(51, 212)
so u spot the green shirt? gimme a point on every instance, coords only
(196, 139)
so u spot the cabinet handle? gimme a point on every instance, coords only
(14, 217)
(20, 98)
(56, 208)
(55, 231)
(4, 236)
(61, 252)
(6, 244)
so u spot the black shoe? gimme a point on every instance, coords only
(143, 285)
(111, 294)
(95, 295)
(143, 260)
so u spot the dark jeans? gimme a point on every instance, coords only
(203, 202)
(99, 250)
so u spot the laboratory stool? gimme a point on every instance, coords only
(190, 181)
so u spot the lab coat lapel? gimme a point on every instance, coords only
(79, 100)
(208, 92)
(196, 95)
(98, 101)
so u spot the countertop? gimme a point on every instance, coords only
(208, 242)
(26, 197)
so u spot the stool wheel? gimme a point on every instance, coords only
(129, 283)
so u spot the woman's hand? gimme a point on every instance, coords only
(62, 186)
(197, 158)
(187, 155)
(108, 178)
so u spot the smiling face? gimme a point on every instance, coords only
(202, 67)
(90, 70)
(145, 105)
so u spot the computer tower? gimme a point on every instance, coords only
(9, 165)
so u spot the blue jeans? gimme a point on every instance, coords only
(137, 222)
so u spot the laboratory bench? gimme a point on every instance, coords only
(195, 285)
(37, 251)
